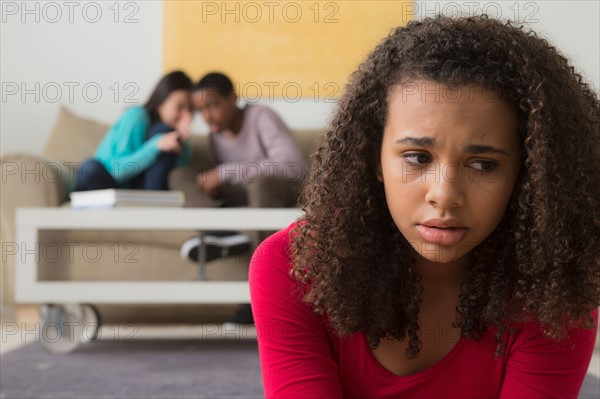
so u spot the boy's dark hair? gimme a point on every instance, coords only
(215, 81)
(541, 262)
(169, 83)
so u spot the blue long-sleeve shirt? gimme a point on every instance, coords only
(124, 150)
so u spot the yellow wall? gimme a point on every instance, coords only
(283, 49)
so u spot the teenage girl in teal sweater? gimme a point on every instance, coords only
(145, 143)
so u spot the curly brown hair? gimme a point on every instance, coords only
(542, 261)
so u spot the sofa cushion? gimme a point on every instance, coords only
(73, 137)
(202, 159)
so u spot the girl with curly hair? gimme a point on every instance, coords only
(449, 242)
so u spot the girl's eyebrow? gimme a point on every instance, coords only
(471, 148)
(418, 141)
(481, 149)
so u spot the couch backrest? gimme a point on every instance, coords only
(73, 137)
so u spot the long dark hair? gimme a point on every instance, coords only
(543, 259)
(169, 83)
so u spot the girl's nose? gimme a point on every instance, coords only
(445, 189)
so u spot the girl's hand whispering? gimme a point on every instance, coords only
(183, 127)
(169, 142)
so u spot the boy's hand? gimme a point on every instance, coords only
(184, 126)
(169, 142)
(208, 182)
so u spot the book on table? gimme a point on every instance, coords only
(115, 198)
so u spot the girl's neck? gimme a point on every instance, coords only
(442, 277)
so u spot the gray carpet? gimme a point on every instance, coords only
(590, 388)
(143, 369)
(147, 369)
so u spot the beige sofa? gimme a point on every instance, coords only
(33, 181)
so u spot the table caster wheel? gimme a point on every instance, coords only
(91, 322)
(61, 327)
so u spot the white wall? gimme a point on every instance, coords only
(74, 50)
(572, 26)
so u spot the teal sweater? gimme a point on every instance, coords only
(124, 151)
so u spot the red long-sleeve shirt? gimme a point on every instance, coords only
(301, 358)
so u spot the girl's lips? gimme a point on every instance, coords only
(440, 236)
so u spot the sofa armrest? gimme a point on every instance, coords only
(30, 181)
(27, 181)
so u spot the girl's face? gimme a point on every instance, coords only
(449, 162)
(174, 107)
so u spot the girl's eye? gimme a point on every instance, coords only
(417, 158)
(484, 166)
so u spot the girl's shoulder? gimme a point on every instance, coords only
(133, 121)
(274, 290)
(133, 116)
(136, 112)
(530, 334)
(275, 250)
(271, 265)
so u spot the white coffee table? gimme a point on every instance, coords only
(68, 319)
(31, 220)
